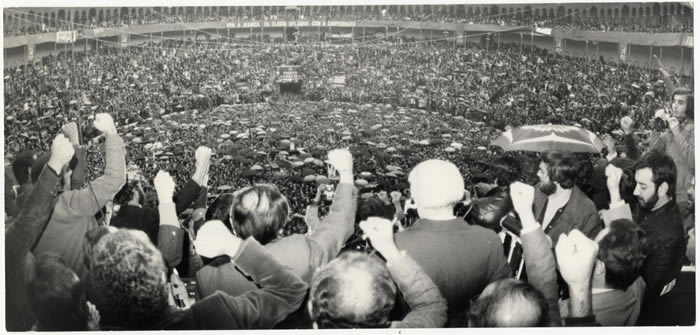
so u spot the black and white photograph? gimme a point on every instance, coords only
(309, 165)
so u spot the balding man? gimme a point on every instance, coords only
(461, 259)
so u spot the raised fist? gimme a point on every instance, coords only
(214, 239)
(523, 196)
(380, 232)
(614, 175)
(61, 152)
(340, 159)
(395, 196)
(70, 130)
(576, 255)
(105, 123)
(202, 155)
(164, 185)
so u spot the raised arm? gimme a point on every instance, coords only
(428, 307)
(199, 180)
(281, 292)
(337, 227)
(27, 228)
(684, 144)
(88, 201)
(576, 256)
(537, 250)
(170, 235)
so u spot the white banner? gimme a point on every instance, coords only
(65, 37)
(316, 23)
(341, 23)
(251, 24)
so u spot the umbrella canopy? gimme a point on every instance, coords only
(309, 160)
(322, 180)
(309, 178)
(540, 138)
(390, 149)
(256, 167)
(224, 188)
(450, 149)
(361, 182)
(392, 167)
(318, 162)
(366, 174)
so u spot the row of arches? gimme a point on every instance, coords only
(576, 13)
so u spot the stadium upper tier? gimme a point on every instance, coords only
(629, 17)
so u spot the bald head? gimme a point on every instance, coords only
(352, 291)
(436, 184)
(509, 303)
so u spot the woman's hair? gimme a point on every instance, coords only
(259, 211)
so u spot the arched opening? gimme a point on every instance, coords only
(140, 13)
(100, 16)
(52, 22)
(634, 12)
(93, 13)
(470, 12)
(83, 17)
(551, 14)
(477, 13)
(503, 12)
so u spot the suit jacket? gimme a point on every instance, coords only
(74, 212)
(460, 259)
(19, 237)
(303, 254)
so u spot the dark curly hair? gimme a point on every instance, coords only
(354, 290)
(128, 280)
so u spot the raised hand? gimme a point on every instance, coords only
(70, 130)
(214, 239)
(105, 124)
(164, 185)
(380, 232)
(614, 175)
(523, 196)
(576, 255)
(61, 153)
(396, 197)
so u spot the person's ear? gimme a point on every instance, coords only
(663, 190)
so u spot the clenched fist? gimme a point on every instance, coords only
(164, 185)
(61, 153)
(105, 123)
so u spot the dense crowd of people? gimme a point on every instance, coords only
(177, 185)
(37, 23)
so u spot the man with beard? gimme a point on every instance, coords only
(657, 213)
(560, 206)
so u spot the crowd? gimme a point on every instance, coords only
(33, 24)
(194, 194)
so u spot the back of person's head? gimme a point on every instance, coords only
(436, 184)
(561, 167)
(371, 207)
(40, 162)
(220, 209)
(56, 296)
(352, 291)
(127, 281)
(91, 238)
(259, 211)
(623, 250)
(509, 303)
(690, 102)
(21, 165)
(662, 167)
(505, 170)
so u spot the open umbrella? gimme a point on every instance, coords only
(309, 178)
(224, 188)
(540, 138)
(361, 182)
(256, 167)
(450, 149)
